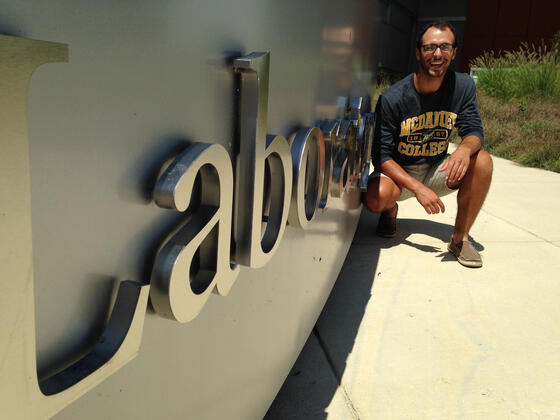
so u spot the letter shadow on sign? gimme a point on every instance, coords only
(7, 28)
(139, 256)
(316, 375)
(134, 263)
(138, 180)
(96, 300)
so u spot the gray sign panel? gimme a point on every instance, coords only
(139, 175)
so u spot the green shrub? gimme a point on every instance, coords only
(519, 101)
(527, 72)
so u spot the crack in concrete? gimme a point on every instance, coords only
(338, 375)
(521, 228)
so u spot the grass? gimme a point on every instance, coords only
(529, 72)
(527, 132)
(519, 101)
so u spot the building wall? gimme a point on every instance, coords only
(398, 24)
(499, 25)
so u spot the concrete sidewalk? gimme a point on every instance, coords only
(409, 333)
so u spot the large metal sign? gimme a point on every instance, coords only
(236, 211)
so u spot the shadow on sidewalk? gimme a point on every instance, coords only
(316, 375)
(314, 379)
(436, 230)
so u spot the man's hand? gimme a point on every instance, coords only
(429, 200)
(456, 165)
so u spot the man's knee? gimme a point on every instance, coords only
(483, 164)
(480, 166)
(380, 192)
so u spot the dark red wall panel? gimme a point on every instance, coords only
(500, 25)
(544, 19)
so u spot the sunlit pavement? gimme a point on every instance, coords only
(410, 333)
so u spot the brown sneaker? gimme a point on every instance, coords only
(387, 225)
(465, 253)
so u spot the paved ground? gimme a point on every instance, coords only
(409, 333)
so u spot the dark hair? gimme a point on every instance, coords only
(441, 25)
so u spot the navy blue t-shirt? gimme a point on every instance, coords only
(413, 128)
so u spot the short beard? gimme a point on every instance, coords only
(426, 70)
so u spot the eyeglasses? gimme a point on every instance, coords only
(430, 48)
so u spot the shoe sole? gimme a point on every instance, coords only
(466, 263)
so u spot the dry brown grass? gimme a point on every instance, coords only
(525, 131)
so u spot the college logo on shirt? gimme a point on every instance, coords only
(428, 120)
(426, 134)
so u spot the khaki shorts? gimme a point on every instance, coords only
(428, 175)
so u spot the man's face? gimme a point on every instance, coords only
(435, 63)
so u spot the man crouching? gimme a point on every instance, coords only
(414, 119)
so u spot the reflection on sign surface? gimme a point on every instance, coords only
(239, 216)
